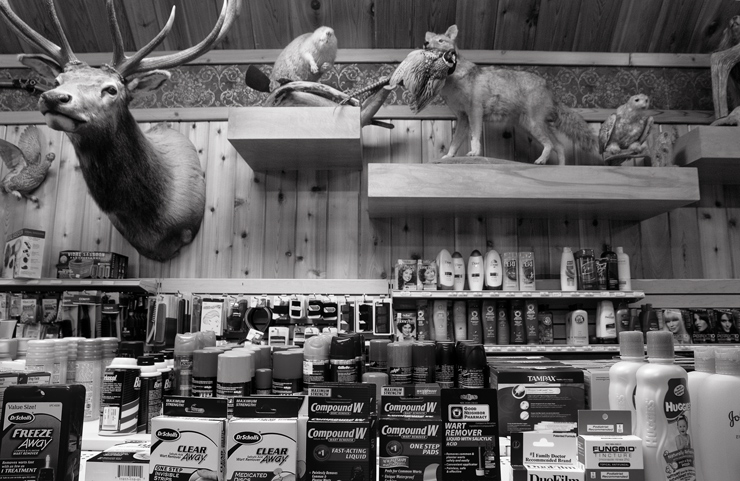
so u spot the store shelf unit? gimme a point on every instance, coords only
(517, 189)
(122, 285)
(352, 287)
(714, 151)
(297, 138)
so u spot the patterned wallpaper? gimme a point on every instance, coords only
(580, 87)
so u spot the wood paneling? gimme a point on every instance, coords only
(284, 224)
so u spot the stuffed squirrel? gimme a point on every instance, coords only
(307, 57)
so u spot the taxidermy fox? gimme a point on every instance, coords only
(477, 93)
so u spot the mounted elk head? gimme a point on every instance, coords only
(150, 184)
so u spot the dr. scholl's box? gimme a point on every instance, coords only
(470, 446)
(262, 438)
(126, 461)
(538, 398)
(341, 433)
(188, 441)
(606, 449)
(42, 433)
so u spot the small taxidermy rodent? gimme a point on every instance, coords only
(307, 57)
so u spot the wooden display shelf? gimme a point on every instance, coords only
(714, 151)
(538, 294)
(123, 285)
(275, 286)
(516, 189)
(297, 138)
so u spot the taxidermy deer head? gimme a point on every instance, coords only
(150, 184)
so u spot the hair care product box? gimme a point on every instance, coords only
(41, 432)
(537, 456)
(341, 432)
(24, 254)
(410, 433)
(406, 275)
(606, 449)
(526, 271)
(188, 440)
(128, 460)
(427, 275)
(537, 398)
(262, 438)
(470, 449)
(511, 271)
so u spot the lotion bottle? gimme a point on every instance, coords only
(578, 332)
(493, 271)
(568, 271)
(704, 368)
(623, 374)
(664, 411)
(458, 268)
(606, 329)
(445, 271)
(719, 438)
(623, 270)
(475, 271)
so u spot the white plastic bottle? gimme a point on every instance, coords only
(663, 413)
(568, 271)
(578, 332)
(458, 267)
(493, 271)
(475, 271)
(606, 326)
(623, 270)
(445, 274)
(703, 369)
(622, 375)
(720, 418)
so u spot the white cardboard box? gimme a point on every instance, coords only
(24, 254)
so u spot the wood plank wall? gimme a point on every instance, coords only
(315, 224)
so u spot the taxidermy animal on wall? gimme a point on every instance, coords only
(626, 131)
(150, 184)
(478, 93)
(27, 167)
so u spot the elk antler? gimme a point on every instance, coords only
(61, 55)
(138, 62)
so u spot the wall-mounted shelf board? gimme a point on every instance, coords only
(297, 138)
(715, 151)
(516, 189)
(275, 286)
(550, 294)
(122, 285)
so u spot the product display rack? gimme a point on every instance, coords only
(149, 286)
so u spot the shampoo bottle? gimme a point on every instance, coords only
(493, 271)
(518, 333)
(663, 413)
(606, 329)
(622, 375)
(622, 318)
(475, 331)
(623, 270)
(489, 321)
(568, 271)
(502, 322)
(458, 268)
(612, 281)
(475, 271)
(445, 274)
(719, 438)
(704, 368)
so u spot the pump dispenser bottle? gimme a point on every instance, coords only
(719, 438)
(622, 375)
(663, 413)
(703, 370)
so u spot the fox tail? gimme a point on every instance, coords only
(574, 126)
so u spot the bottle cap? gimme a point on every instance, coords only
(316, 348)
(378, 350)
(88, 349)
(660, 345)
(620, 250)
(567, 249)
(342, 348)
(263, 379)
(251, 355)
(475, 253)
(185, 343)
(288, 364)
(205, 363)
(704, 359)
(145, 361)
(123, 362)
(727, 361)
(456, 255)
(109, 345)
(205, 339)
(233, 367)
(132, 349)
(400, 354)
(631, 345)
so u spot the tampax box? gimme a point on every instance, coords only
(128, 460)
(188, 440)
(24, 254)
(545, 457)
(262, 438)
(470, 449)
(410, 433)
(537, 398)
(341, 433)
(41, 432)
(606, 449)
